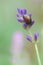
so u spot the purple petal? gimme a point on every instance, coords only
(22, 11)
(29, 38)
(20, 19)
(18, 15)
(19, 10)
(32, 22)
(36, 35)
(30, 15)
(25, 25)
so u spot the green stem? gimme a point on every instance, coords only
(38, 57)
(36, 48)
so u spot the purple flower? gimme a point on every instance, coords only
(36, 35)
(20, 19)
(32, 22)
(29, 38)
(22, 11)
(25, 18)
(25, 25)
(30, 14)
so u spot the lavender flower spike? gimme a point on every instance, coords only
(36, 35)
(25, 18)
(29, 38)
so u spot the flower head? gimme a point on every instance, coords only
(25, 18)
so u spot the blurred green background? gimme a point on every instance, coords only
(9, 24)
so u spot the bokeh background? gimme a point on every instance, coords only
(9, 24)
